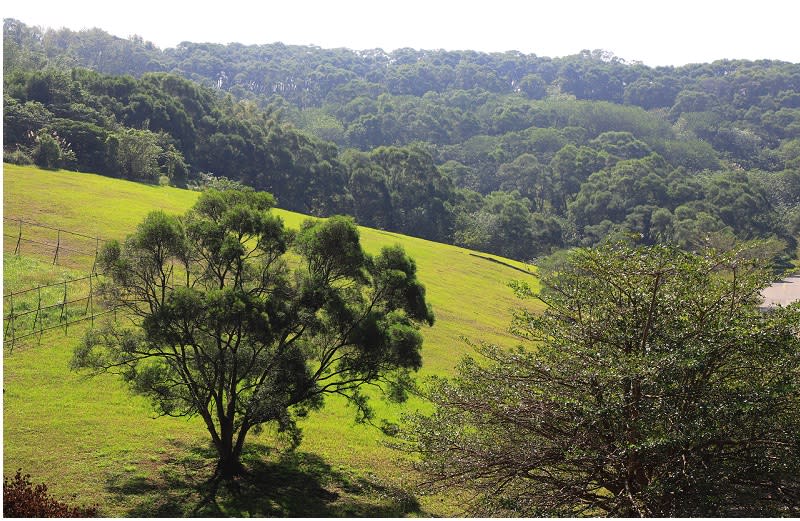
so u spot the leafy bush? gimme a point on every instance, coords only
(219, 183)
(51, 151)
(21, 498)
(17, 157)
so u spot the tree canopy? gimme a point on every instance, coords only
(237, 320)
(651, 385)
(417, 141)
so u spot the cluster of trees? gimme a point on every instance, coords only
(719, 99)
(509, 153)
(163, 125)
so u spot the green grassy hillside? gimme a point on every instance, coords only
(93, 442)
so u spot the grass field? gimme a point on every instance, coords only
(93, 442)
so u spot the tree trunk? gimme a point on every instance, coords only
(229, 466)
(229, 452)
(229, 446)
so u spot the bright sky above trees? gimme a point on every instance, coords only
(654, 32)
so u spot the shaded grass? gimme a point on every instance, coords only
(90, 440)
(296, 484)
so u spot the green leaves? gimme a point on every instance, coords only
(332, 249)
(395, 273)
(653, 386)
(160, 234)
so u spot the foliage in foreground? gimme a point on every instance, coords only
(244, 323)
(652, 385)
(21, 498)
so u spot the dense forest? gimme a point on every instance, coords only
(509, 153)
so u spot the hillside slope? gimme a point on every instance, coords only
(89, 439)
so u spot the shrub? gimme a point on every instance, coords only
(21, 498)
(17, 157)
(51, 151)
(219, 183)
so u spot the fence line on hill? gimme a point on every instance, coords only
(26, 316)
(67, 309)
(59, 246)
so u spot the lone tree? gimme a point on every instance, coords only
(651, 385)
(242, 322)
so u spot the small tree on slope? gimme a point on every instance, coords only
(227, 325)
(651, 386)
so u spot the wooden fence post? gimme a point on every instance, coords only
(19, 238)
(58, 245)
(91, 301)
(38, 313)
(64, 318)
(11, 326)
(96, 252)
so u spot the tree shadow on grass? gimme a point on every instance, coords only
(297, 484)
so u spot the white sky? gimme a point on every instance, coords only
(673, 32)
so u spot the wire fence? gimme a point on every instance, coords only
(31, 312)
(49, 241)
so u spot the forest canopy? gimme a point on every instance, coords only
(509, 153)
